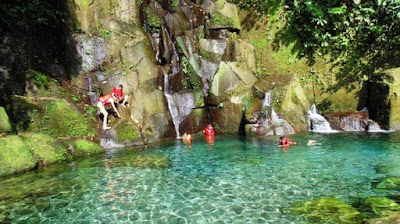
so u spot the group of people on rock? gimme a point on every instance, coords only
(115, 97)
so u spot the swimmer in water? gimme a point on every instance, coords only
(285, 142)
(313, 142)
(187, 138)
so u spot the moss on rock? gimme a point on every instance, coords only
(126, 131)
(389, 184)
(84, 147)
(15, 155)
(393, 217)
(5, 125)
(379, 206)
(55, 117)
(327, 210)
(44, 148)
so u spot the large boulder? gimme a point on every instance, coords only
(379, 206)
(326, 210)
(45, 149)
(55, 117)
(224, 15)
(84, 147)
(5, 125)
(15, 156)
(224, 80)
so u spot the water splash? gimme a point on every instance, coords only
(318, 123)
(268, 121)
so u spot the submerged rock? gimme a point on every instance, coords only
(327, 210)
(5, 125)
(379, 206)
(15, 156)
(152, 161)
(389, 184)
(393, 217)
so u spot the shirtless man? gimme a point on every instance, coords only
(103, 101)
(119, 95)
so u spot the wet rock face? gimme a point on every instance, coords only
(91, 51)
(348, 121)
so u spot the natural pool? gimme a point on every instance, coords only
(235, 180)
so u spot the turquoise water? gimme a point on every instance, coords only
(235, 180)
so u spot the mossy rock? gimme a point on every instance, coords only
(379, 206)
(326, 210)
(44, 148)
(152, 161)
(15, 156)
(224, 80)
(126, 131)
(227, 17)
(5, 125)
(84, 147)
(392, 218)
(389, 184)
(55, 117)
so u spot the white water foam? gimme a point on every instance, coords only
(318, 123)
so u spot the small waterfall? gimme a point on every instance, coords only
(267, 101)
(373, 126)
(317, 122)
(180, 105)
(92, 94)
(268, 122)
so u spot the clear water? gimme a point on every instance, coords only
(235, 180)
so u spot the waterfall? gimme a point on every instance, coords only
(180, 105)
(317, 122)
(267, 101)
(92, 94)
(268, 122)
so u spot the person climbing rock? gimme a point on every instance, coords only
(106, 101)
(285, 142)
(117, 93)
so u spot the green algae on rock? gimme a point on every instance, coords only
(84, 147)
(5, 125)
(55, 117)
(379, 206)
(15, 156)
(44, 148)
(393, 217)
(389, 184)
(152, 161)
(326, 210)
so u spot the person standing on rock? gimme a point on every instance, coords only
(119, 95)
(105, 101)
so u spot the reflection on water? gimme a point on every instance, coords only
(228, 179)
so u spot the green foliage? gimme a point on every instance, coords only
(362, 38)
(174, 3)
(191, 79)
(36, 12)
(153, 24)
(221, 20)
(259, 8)
(106, 34)
(40, 80)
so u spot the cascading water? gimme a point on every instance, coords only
(180, 105)
(92, 94)
(268, 121)
(317, 122)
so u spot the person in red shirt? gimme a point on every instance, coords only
(105, 101)
(209, 130)
(118, 95)
(285, 142)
